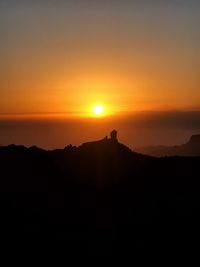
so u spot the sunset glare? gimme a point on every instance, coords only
(73, 70)
(98, 110)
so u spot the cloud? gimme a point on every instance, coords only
(166, 119)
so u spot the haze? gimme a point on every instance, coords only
(58, 58)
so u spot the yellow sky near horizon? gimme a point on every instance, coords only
(127, 58)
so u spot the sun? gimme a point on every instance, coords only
(98, 110)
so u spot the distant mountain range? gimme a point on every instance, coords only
(190, 149)
(100, 196)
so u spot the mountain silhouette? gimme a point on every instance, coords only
(191, 148)
(98, 196)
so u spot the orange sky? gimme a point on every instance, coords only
(129, 57)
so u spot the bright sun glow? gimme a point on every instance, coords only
(98, 110)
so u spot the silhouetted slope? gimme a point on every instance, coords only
(100, 194)
(192, 148)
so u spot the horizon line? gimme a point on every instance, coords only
(82, 113)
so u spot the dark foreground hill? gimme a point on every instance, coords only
(100, 196)
(190, 149)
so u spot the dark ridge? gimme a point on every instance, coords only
(190, 149)
(100, 196)
(194, 140)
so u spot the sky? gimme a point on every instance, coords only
(139, 59)
(61, 57)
